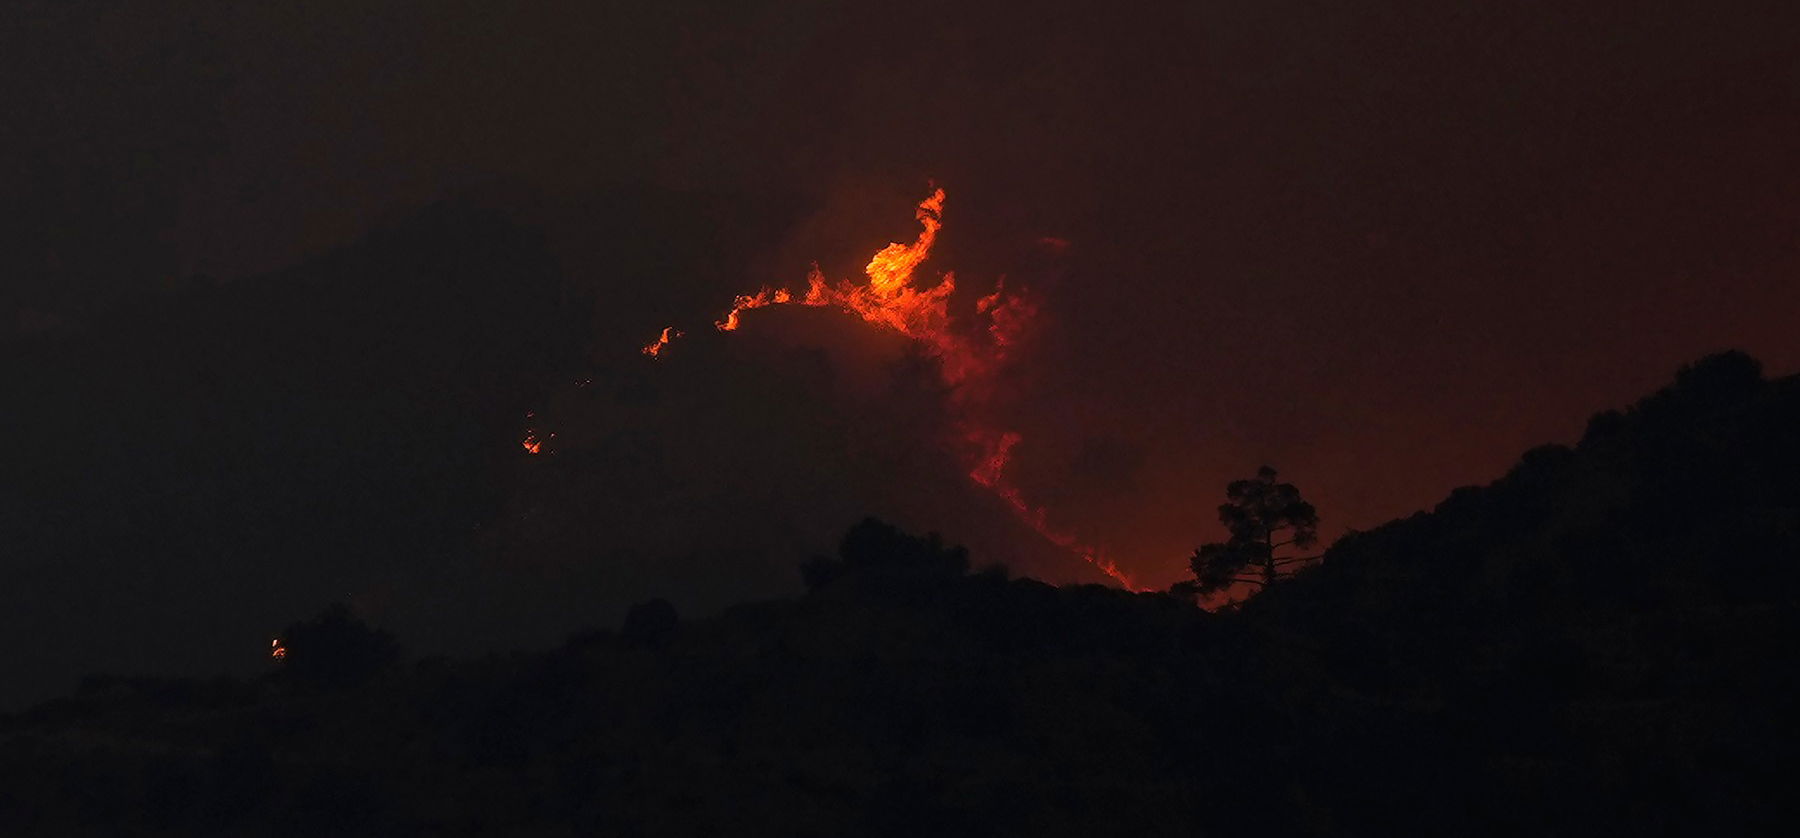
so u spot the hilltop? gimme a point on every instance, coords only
(1592, 644)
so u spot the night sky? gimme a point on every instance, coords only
(1384, 249)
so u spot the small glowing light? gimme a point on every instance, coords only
(276, 650)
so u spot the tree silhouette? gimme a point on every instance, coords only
(875, 547)
(1263, 517)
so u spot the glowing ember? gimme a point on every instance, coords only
(889, 299)
(276, 650)
(532, 443)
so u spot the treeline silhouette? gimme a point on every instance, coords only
(1596, 643)
(180, 464)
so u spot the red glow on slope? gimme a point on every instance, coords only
(991, 473)
(889, 299)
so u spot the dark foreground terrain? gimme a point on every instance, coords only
(1595, 644)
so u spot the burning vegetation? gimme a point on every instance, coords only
(970, 360)
(655, 347)
(534, 440)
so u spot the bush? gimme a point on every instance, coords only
(336, 649)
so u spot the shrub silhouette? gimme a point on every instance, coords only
(876, 548)
(1595, 643)
(336, 649)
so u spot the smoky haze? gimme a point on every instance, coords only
(288, 281)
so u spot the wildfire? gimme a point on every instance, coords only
(889, 299)
(276, 650)
(534, 444)
(655, 347)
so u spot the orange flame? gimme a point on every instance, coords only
(990, 472)
(655, 347)
(276, 650)
(765, 297)
(889, 299)
(532, 443)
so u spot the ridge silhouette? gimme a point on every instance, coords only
(1595, 643)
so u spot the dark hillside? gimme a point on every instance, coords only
(1601, 637)
(209, 454)
(1593, 644)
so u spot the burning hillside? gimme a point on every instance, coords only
(972, 353)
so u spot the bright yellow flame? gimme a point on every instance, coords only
(891, 270)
